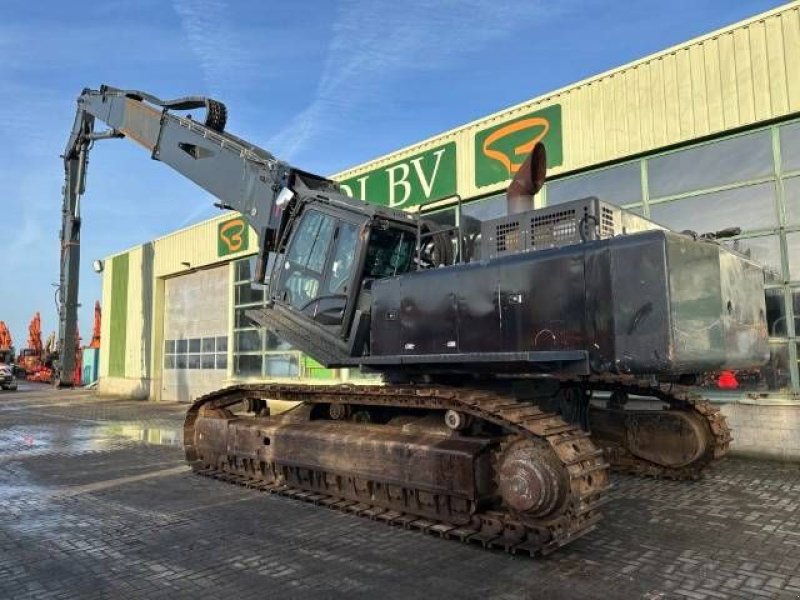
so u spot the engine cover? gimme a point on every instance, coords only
(655, 302)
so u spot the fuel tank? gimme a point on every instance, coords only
(655, 302)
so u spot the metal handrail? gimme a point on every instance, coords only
(456, 228)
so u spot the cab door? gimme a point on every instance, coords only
(317, 271)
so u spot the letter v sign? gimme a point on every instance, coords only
(427, 185)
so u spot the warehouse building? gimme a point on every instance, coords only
(702, 136)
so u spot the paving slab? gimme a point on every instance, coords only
(96, 502)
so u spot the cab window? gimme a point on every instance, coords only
(343, 258)
(305, 260)
(390, 252)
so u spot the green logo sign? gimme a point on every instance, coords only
(232, 236)
(423, 177)
(500, 150)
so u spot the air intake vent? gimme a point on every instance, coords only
(607, 228)
(554, 229)
(508, 237)
(574, 222)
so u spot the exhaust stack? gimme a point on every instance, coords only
(528, 180)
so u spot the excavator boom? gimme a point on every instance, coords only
(242, 176)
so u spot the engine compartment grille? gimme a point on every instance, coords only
(555, 229)
(564, 224)
(508, 237)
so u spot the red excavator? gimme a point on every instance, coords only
(6, 345)
(30, 357)
(95, 343)
(36, 359)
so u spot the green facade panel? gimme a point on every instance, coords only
(232, 236)
(119, 315)
(501, 149)
(421, 178)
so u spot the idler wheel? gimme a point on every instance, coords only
(339, 412)
(531, 479)
(457, 421)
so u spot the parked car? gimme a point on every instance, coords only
(7, 379)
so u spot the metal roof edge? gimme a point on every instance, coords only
(443, 136)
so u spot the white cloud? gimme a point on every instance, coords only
(378, 41)
(213, 39)
(204, 210)
(25, 239)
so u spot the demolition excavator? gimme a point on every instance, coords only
(521, 357)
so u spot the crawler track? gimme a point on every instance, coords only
(677, 398)
(580, 462)
(495, 526)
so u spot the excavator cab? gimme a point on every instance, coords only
(316, 273)
(321, 280)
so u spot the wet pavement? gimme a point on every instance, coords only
(95, 502)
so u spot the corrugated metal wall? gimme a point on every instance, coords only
(133, 339)
(734, 77)
(195, 245)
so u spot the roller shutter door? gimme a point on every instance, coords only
(195, 334)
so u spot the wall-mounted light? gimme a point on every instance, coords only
(98, 266)
(186, 264)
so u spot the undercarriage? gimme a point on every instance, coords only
(465, 463)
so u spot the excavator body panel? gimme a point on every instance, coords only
(655, 303)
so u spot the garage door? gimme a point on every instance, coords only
(195, 334)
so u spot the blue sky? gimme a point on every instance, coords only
(323, 84)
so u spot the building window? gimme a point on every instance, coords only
(776, 313)
(765, 250)
(790, 147)
(793, 252)
(248, 365)
(751, 207)
(791, 191)
(725, 162)
(620, 185)
(257, 353)
(196, 353)
(487, 209)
